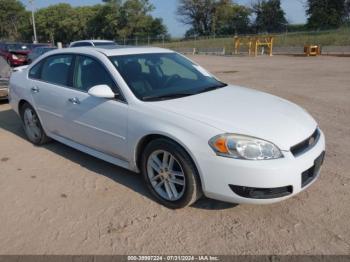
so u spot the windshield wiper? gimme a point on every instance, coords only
(179, 95)
(167, 96)
(211, 88)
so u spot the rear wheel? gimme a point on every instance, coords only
(32, 126)
(170, 174)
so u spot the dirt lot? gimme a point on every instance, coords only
(56, 200)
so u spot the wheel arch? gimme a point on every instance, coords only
(20, 105)
(145, 140)
(23, 102)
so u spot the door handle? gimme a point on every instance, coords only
(74, 101)
(35, 89)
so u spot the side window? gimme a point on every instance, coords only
(88, 73)
(35, 71)
(56, 69)
(82, 44)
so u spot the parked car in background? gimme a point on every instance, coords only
(93, 43)
(154, 111)
(38, 51)
(14, 53)
(3, 88)
(5, 73)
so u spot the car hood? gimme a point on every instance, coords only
(240, 110)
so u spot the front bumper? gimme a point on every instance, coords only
(221, 175)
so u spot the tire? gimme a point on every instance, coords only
(32, 127)
(160, 179)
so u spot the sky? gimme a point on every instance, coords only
(166, 9)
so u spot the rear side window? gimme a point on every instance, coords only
(81, 44)
(56, 69)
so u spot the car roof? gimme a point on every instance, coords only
(127, 50)
(92, 41)
(116, 51)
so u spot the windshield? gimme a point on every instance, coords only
(104, 44)
(163, 76)
(16, 47)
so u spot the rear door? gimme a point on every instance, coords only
(50, 82)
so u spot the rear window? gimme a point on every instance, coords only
(16, 47)
(104, 44)
(81, 44)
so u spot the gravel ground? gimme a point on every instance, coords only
(56, 200)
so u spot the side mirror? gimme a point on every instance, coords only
(101, 91)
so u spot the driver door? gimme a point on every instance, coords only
(98, 123)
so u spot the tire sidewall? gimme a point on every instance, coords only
(191, 177)
(43, 137)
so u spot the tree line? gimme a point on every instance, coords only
(226, 17)
(130, 19)
(111, 19)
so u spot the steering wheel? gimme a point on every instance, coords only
(171, 79)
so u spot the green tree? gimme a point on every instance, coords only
(136, 21)
(54, 23)
(325, 14)
(106, 21)
(198, 14)
(269, 16)
(127, 19)
(209, 17)
(110, 20)
(231, 18)
(13, 19)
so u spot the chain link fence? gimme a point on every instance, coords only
(224, 44)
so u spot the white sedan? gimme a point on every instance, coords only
(153, 111)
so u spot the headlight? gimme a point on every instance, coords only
(244, 147)
(14, 57)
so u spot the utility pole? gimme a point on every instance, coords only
(33, 21)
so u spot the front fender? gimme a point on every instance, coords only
(193, 136)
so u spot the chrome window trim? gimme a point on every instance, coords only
(74, 54)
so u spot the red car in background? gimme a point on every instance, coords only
(15, 53)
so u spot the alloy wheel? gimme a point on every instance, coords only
(166, 175)
(32, 125)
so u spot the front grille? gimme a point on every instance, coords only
(262, 193)
(307, 144)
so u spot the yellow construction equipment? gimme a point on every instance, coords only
(253, 44)
(243, 41)
(312, 50)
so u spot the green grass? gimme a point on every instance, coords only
(340, 37)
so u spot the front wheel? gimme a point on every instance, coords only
(170, 174)
(32, 126)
